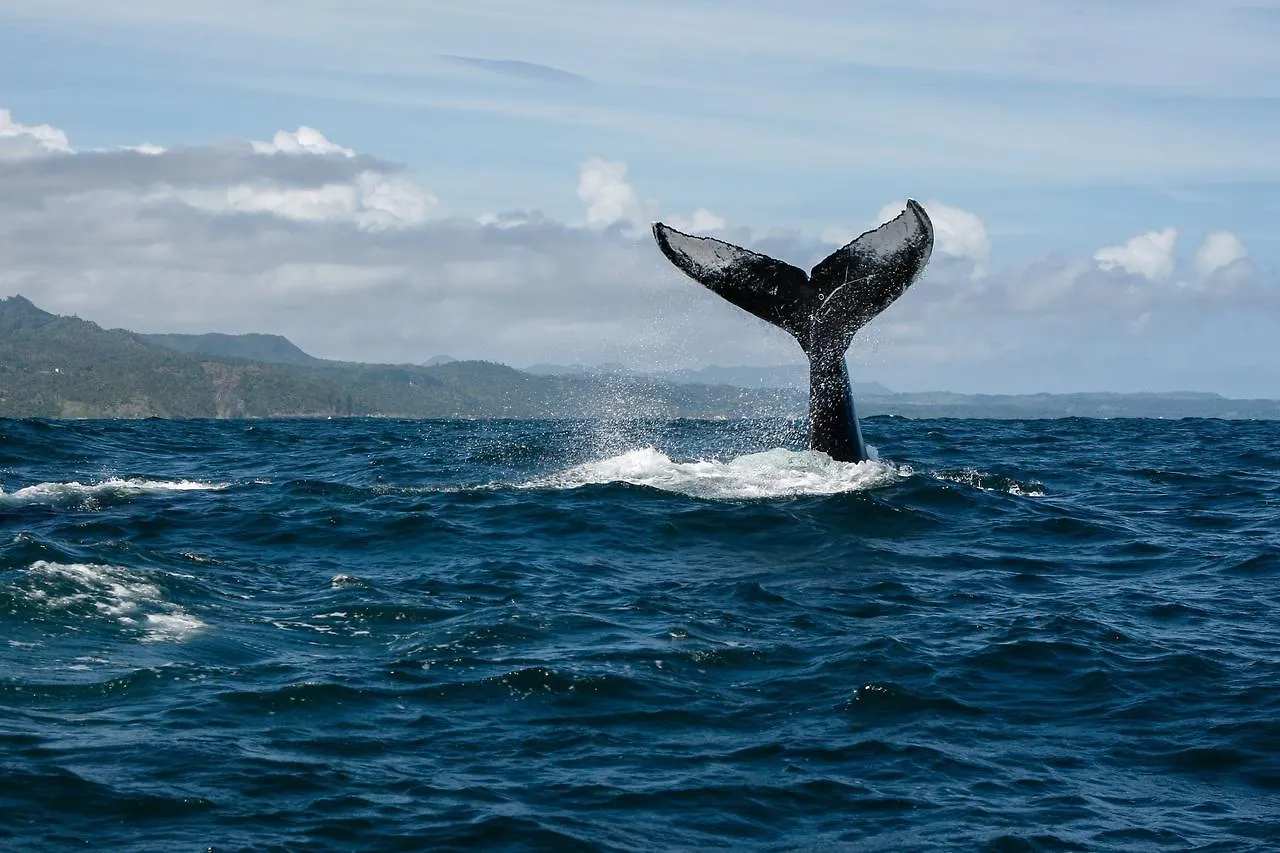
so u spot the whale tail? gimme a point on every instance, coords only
(822, 310)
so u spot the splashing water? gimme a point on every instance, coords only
(770, 474)
(114, 487)
(80, 591)
(481, 634)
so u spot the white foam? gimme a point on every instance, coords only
(771, 474)
(175, 626)
(123, 595)
(113, 487)
(991, 483)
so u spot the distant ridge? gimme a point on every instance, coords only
(268, 349)
(609, 369)
(65, 367)
(768, 376)
(774, 376)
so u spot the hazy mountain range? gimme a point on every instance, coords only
(65, 367)
(795, 376)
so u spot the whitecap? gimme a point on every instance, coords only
(113, 487)
(771, 474)
(992, 483)
(124, 596)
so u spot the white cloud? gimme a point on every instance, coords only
(351, 260)
(319, 280)
(699, 222)
(603, 187)
(1149, 255)
(1048, 96)
(21, 140)
(837, 234)
(315, 204)
(958, 232)
(508, 219)
(610, 198)
(305, 140)
(370, 200)
(222, 179)
(1220, 249)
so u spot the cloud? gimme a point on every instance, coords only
(215, 165)
(304, 140)
(699, 222)
(351, 258)
(603, 187)
(836, 235)
(369, 201)
(346, 259)
(300, 176)
(958, 232)
(1220, 249)
(610, 198)
(522, 70)
(511, 219)
(1149, 255)
(20, 140)
(896, 93)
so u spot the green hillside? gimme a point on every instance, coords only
(64, 367)
(269, 349)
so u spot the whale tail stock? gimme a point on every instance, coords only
(822, 310)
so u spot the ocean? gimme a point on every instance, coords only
(393, 635)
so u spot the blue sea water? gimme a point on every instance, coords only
(405, 635)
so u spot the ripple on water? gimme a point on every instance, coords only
(69, 596)
(378, 634)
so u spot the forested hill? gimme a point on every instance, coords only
(269, 349)
(65, 367)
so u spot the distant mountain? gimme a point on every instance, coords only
(437, 360)
(65, 367)
(608, 369)
(770, 376)
(268, 349)
(777, 376)
(1183, 404)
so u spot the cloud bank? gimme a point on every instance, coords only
(352, 258)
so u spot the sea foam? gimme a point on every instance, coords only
(125, 596)
(770, 474)
(115, 487)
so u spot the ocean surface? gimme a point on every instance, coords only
(491, 635)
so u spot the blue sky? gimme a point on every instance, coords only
(1057, 144)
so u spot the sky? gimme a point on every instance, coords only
(395, 180)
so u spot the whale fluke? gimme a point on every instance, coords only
(821, 310)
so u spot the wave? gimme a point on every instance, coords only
(76, 591)
(115, 487)
(773, 473)
(992, 482)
